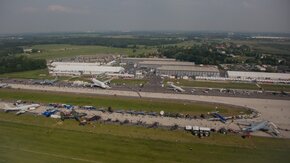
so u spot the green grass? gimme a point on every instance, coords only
(229, 85)
(186, 107)
(34, 74)
(32, 139)
(129, 81)
(51, 51)
(268, 47)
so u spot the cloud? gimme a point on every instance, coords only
(59, 8)
(66, 9)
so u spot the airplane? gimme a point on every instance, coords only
(284, 93)
(22, 108)
(175, 88)
(265, 126)
(98, 83)
(46, 81)
(72, 115)
(49, 112)
(4, 85)
(219, 117)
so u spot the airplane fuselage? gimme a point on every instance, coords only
(22, 109)
(97, 83)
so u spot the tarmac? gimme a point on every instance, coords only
(277, 111)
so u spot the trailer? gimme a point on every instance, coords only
(198, 131)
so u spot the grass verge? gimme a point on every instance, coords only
(31, 139)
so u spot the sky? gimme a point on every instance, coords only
(21, 16)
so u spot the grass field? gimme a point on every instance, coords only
(34, 74)
(185, 107)
(129, 81)
(268, 47)
(41, 74)
(51, 51)
(230, 85)
(32, 139)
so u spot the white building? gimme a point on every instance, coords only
(207, 71)
(258, 75)
(137, 60)
(156, 64)
(75, 68)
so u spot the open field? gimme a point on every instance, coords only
(29, 138)
(51, 51)
(34, 74)
(187, 107)
(129, 81)
(268, 47)
(229, 85)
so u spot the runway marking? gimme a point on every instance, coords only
(50, 154)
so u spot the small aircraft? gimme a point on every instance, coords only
(98, 83)
(72, 115)
(49, 112)
(218, 117)
(22, 108)
(174, 87)
(266, 126)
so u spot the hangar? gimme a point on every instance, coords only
(257, 75)
(156, 64)
(75, 69)
(207, 71)
(137, 60)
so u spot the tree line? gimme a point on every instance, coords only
(204, 54)
(20, 63)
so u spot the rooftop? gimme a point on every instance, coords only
(150, 59)
(259, 74)
(87, 67)
(190, 68)
(172, 63)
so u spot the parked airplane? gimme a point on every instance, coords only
(97, 83)
(4, 85)
(49, 112)
(265, 126)
(22, 108)
(174, 87)
(45, 82)
(72, 115)
(219, 117)
(49, 82)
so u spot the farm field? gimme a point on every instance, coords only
(268, 47)
(52, 51)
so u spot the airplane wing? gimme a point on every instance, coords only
(108, 81)
(20, 112)
(11, 109)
